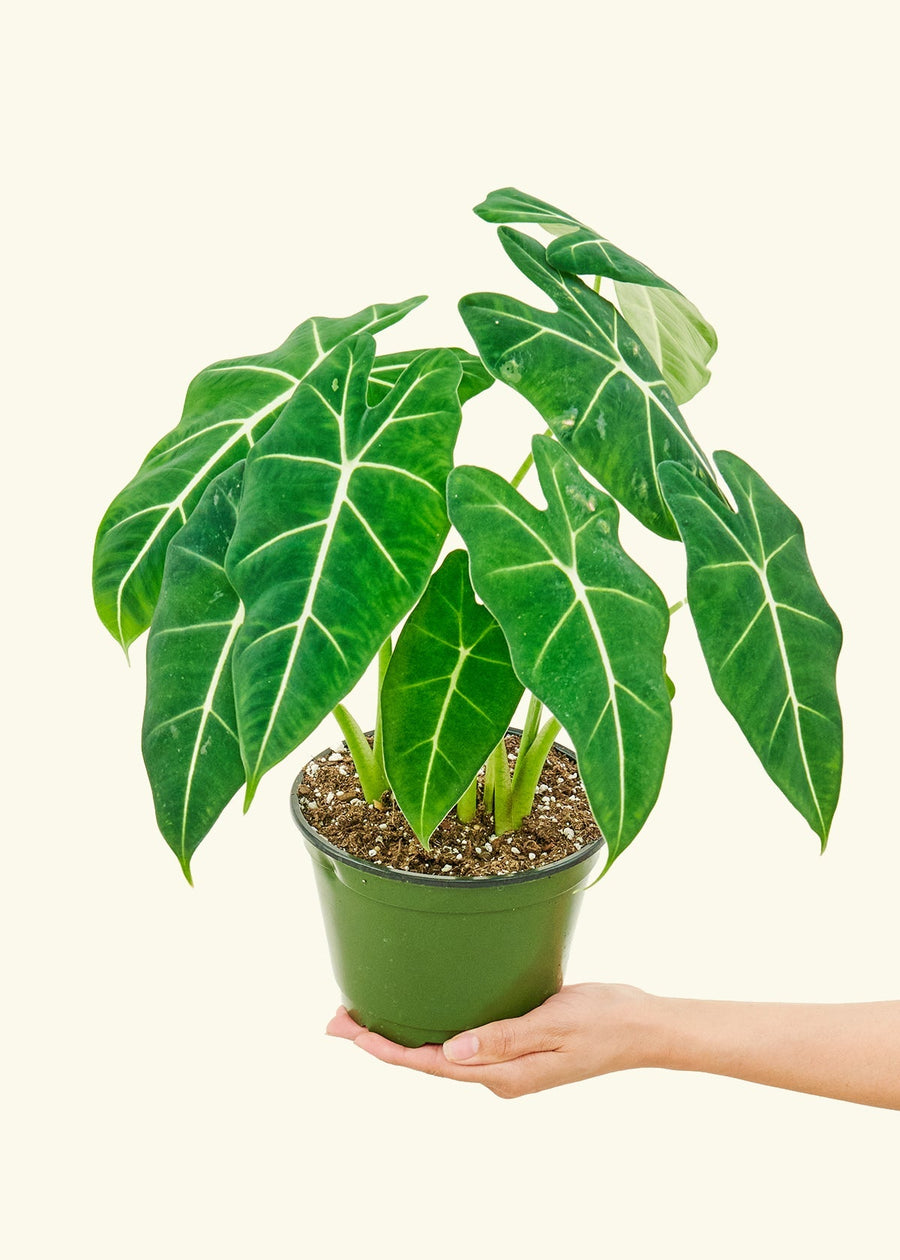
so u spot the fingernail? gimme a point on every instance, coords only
(461, 1048)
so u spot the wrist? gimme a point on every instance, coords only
(643, 1031)
(698, 1035)
(663, 1033)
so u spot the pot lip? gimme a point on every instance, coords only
(331, 850)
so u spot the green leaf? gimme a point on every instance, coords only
(342, 519)
(585, 252)
(590, 378)
(389, 368)
(677, 336)
(680, 340)
(190, 741)
(770, 639)
(509, 205)
(585, 626)
(229, 406)
(448, 697)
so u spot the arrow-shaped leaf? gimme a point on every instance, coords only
(680, 340)
(228, 407)
(585, 626)
(579, 249)
(510, 205)
(389, 368)
(190, 741)
(677, 336)
(770, 639)
(590, 378)
(342, 519)
(448, 697)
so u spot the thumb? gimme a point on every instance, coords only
(501, 1041)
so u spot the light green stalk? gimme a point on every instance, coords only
(468, 802)
(373, 782)
(532, 724)
(526, 464)
(529, 765)
(384, 659)
(497, 788)
(368, 758)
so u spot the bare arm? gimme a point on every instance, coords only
(837, 1051)
(849, 1051)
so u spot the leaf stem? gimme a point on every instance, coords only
(673, 608)
(373, 782)
(532, 725)
(526, 465)
(497, 778)
(524, 468)
(528, 771)
(468, 802)
(384, 659)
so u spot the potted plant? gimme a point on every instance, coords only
(275, 540)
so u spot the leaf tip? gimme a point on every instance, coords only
(611, 855)
(252, 785)
(485, 209)
(117, 630)
(185, 863)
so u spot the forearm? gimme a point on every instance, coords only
(843, 1051)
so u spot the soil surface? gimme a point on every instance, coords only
(560, 823)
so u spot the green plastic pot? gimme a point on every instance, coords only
(419, 958)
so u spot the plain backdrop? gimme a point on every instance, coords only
(189, 181)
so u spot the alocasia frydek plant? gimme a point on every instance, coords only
(277, 537)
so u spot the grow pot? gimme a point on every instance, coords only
(419, 958)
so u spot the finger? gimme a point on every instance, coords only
(429, 1059)
(506, 1080)
(504, 1040)
(343, 1025)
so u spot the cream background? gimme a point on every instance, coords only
(191, 180)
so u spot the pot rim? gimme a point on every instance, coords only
(338, 854)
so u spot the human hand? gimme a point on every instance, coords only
(584, 1030)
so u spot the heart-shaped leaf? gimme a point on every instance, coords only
(448, 697)
(229, 406)
(680, 340)
(190, 741)
(590, 378)
(770, 639)
(342, 518)
(585, 626)
(390, 367)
